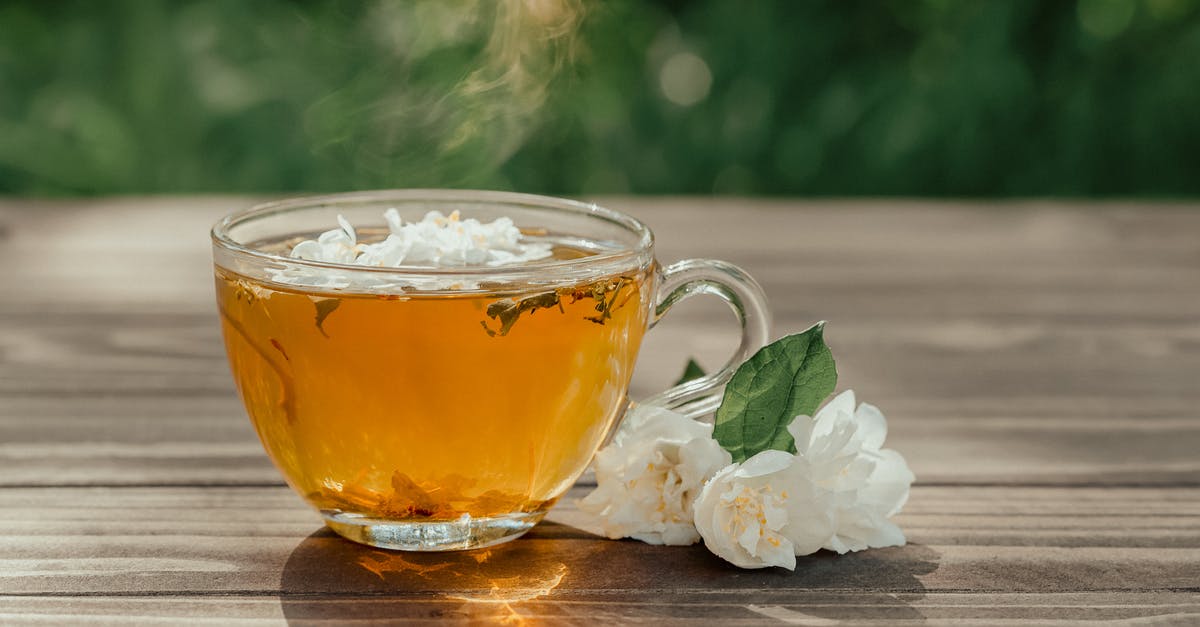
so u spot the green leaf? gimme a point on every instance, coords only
(691, 372)
(787, 378)
(325, 306)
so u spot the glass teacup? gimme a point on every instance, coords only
(438, 408)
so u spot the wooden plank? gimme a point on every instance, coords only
(1096, 259)
(148, 445)
(264, 541)
(803, 608)
(95, 354)
(1096, 516)
(108, 400)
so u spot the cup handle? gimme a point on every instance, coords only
(687, 278)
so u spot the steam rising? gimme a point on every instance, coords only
(455, 93)
(530, 42)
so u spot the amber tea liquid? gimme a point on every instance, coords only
(427, 407)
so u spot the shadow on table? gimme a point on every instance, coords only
(558, 573)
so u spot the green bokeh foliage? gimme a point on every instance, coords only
(941, 98)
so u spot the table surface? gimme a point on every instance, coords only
(1039, 364)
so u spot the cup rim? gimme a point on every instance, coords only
(221, 238)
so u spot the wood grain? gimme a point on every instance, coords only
(1038, 362)
(803, 608)
(180, 550)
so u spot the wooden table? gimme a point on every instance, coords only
(1039, 364)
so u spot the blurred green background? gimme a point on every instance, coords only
(931, 98)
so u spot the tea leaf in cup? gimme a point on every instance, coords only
(605, 307)
(325, 306)
(507, 311)
(787, 378)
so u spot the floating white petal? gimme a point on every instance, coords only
(437, 241)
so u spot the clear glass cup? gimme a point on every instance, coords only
(436, 408)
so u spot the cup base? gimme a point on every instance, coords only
(443, 535)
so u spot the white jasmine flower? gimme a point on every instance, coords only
(837, 492)
(869, 484)
(649, 476)
(436, 241)
(764, 512)
(450, 241)
(337, 246)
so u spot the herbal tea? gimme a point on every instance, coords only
(425, 407)
(433, 381)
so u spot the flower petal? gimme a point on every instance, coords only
(824, 421)
(872, 426)
(764, 463)
(801, 429)
(783, 555)
(888, 486)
